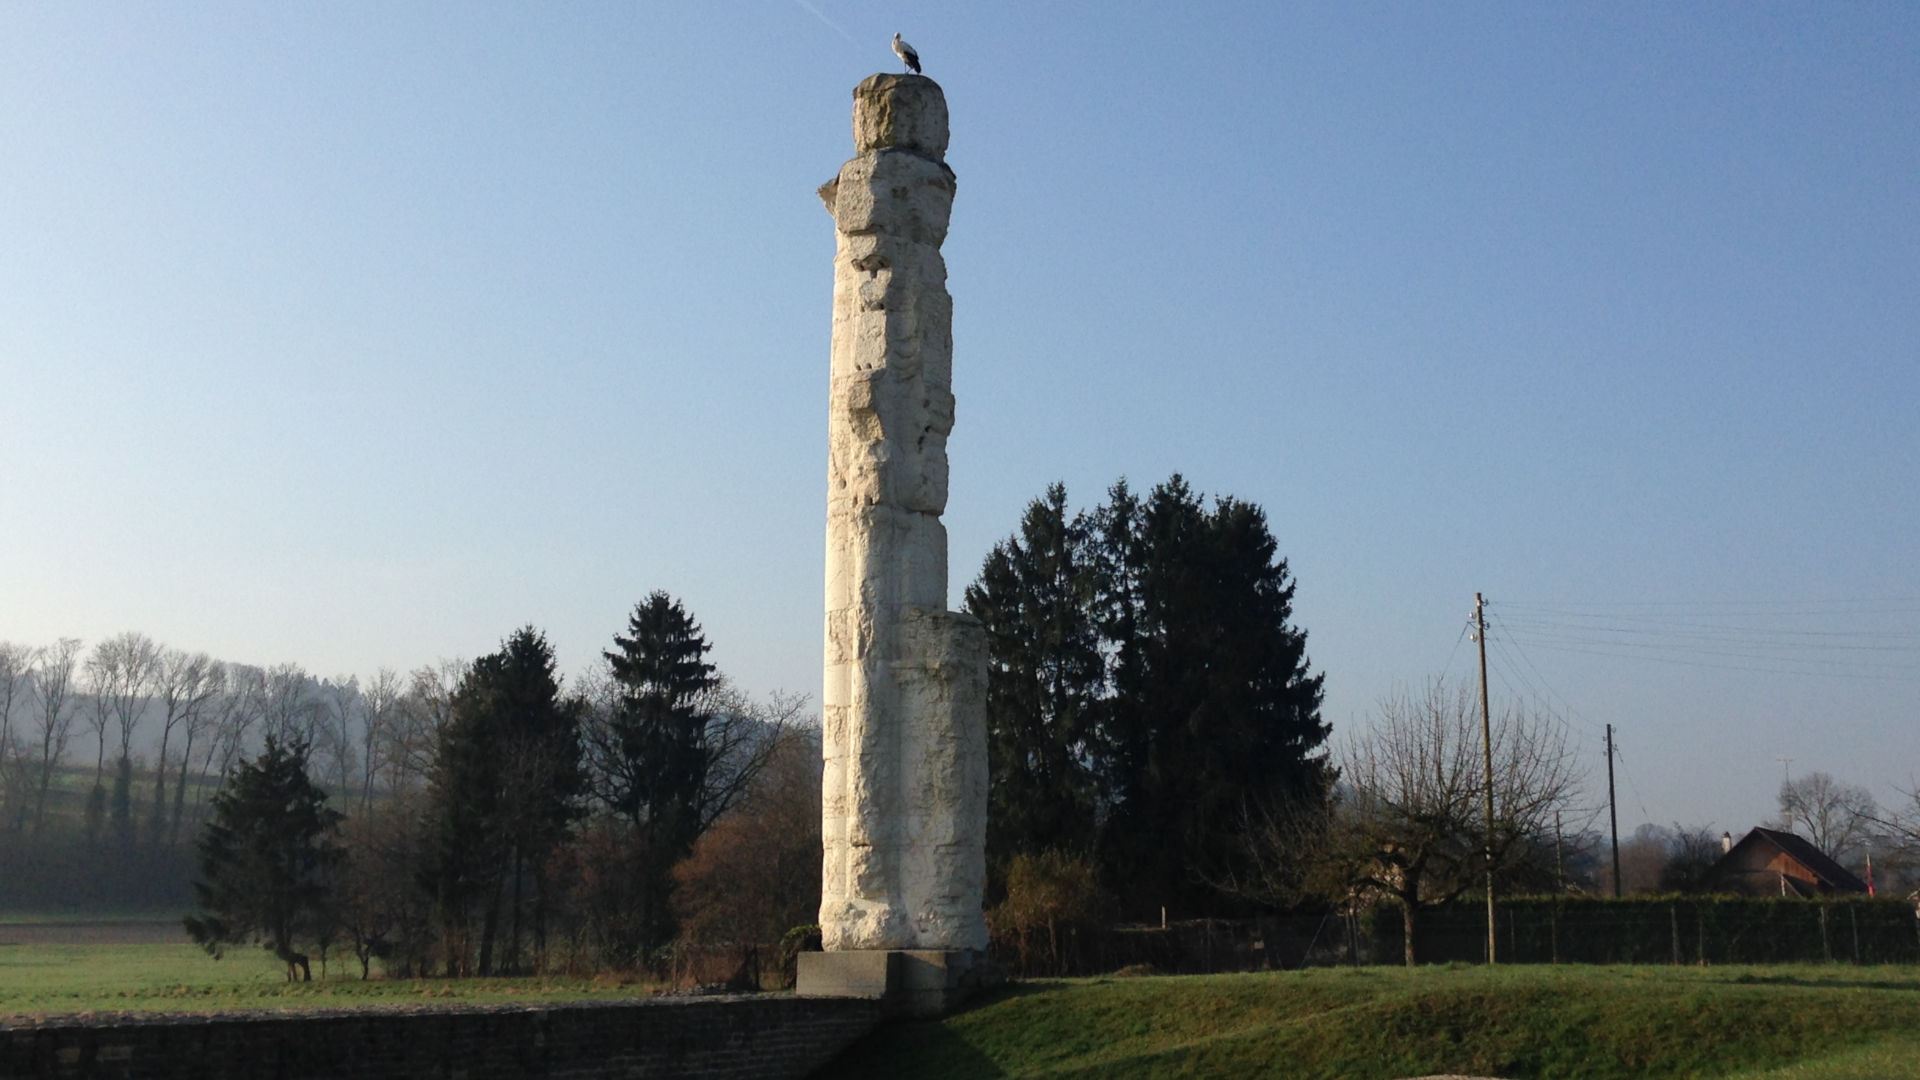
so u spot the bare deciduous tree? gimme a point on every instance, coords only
(1672, 860)
(1643, 859)
(1903, 824)
(1408, 819)
(121, 674)
(340, 708)
(743, 736)
(381, 704)
(53, 672)
(202, 718)
(16, 673)
(186, 681)
(740, 736)
(755, 874)
(291, 708)
(1838, 818)
(237, 713)
(407, 744)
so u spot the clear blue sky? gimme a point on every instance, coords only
(361, 334)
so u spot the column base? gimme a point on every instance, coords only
(908, 982)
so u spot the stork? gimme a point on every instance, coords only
(905, 52)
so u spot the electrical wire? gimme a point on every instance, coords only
(1877, 639)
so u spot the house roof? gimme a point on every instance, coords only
(1830, 873)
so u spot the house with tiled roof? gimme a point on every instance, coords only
(1771, 862)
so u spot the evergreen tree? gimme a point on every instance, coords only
(1214, 711)
(1045, 673)
(652, 751)
(265, 858)
(660, 718)
(505, 784)
(1146, 689)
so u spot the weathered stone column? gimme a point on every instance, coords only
(904, 805)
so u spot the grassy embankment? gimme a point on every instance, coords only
(45, 979)
(1778, 1023)
(1781, 1023)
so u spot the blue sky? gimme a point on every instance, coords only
(361, 334)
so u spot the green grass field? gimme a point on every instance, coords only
(1777, 1023)
(45, 979)
(1787, 1023)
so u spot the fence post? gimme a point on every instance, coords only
(1826, 942)
(1853, 914)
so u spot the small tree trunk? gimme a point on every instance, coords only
(487, 927)
(513, 919)
(1406, 923)
(540, 922)
(157, 829)
(179, 793)
(1673, 920)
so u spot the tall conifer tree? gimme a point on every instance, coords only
(265, 857)
(1044, 677)
(506, 783)
(653, 755)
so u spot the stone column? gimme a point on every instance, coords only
(903, 811)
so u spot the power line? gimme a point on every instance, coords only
(1631, 786)
(1652, 653)
(1506, 638)
(1465, 626)
(1904, 604)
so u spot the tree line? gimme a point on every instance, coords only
(129, 696)
(1154, 732)
(471, 818)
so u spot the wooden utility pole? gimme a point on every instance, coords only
(1613, 815)
(1486, 748)
(1559, 859)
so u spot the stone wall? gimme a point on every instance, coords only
(713, 1038)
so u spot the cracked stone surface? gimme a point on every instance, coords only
(903, 808)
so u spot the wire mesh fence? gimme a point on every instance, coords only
(1661, 930)
(1571, 930)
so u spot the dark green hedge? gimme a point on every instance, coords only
(1660, 929)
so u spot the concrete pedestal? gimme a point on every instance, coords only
(907, 982)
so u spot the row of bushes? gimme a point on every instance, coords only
(1655, 930)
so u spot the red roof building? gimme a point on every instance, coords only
(1769, 862)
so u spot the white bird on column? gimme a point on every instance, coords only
(905, 52)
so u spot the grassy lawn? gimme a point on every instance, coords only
(43, 979)
(1784, 1023)
(1749, 1023)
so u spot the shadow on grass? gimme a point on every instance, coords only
(1749, 979)
(936, 1049)
(937, 1052)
